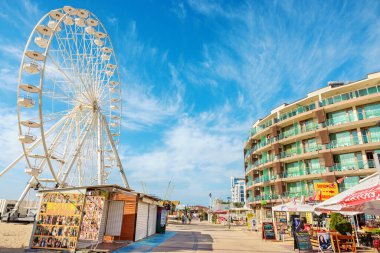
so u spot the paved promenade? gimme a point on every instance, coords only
(204, 237)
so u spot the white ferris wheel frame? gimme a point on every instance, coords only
(97, 118)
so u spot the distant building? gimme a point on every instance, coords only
(219, 204)
(237, 190)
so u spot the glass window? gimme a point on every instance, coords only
(363, 92)
(292, 169)
(372, 90)
(372, 110)
(345, 96)
(375, 133)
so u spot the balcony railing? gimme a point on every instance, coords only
(342, 143)
(338, 121)
(312, 148)
(249, 183)
(286, 154)
(346, 166)
(350, 95)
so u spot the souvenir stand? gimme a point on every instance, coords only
(282, 213)
(85, 217)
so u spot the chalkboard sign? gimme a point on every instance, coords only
(268, 231)
(303, 240)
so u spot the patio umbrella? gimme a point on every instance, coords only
(361, 198)
(220, 212)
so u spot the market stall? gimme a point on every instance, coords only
(238, 215)
(286, 213)
(220, 216)
(82, 217)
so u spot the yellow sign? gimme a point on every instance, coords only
(251, 221)
(60, 208)
(325, 190)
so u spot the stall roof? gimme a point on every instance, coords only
(109, 187)
(293, 206)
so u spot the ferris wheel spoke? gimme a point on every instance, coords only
(78, 148)
(65, 53)
(80, 63)
(71, 139)
(67, 77)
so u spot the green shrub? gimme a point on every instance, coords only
(344, 227)
(335, 219)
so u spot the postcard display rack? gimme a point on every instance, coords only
(70, 219)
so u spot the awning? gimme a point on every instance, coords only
(293, 206)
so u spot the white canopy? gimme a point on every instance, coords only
(293, 206)
(363, 197)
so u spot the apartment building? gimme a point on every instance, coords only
(237, 190)
(332, 134)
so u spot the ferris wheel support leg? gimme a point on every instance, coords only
(100, 150)
(119, 165)
(10, 166)
(23, 194)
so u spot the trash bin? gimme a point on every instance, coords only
(161, 220)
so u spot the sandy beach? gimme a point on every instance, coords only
(14, 236)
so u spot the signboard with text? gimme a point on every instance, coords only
(325, 190)
(268, 231)
(303, 240)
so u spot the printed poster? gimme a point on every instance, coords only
(58, 221)
(92, 218)
(324, 241)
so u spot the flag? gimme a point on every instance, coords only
(210, 195)
(340, 180)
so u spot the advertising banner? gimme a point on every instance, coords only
(361, 196)
(58, 220)
(325, 190)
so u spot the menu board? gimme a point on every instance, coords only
(93, 210)
(58, 221)
(303, 240)
(268, 231)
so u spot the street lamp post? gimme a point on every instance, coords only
(210, 209)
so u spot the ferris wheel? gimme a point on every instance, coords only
(69, 103)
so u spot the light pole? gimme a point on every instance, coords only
(210, 209)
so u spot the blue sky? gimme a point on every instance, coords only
(197, 74)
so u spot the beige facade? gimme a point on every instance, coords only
(332, 133)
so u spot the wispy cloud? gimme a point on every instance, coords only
(198, 154)
(22, 15)
(286, 49)
(178, 8)
(146, 103)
